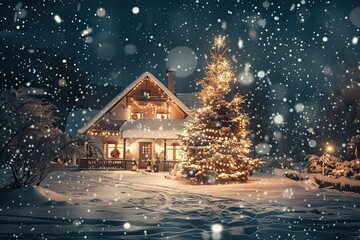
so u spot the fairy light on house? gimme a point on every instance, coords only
(143, 122)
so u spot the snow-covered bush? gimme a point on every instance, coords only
(31, 146)
(333, 166)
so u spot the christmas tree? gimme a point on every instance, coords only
(215, 138)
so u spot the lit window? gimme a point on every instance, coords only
(174, 152)
(114, 150)
(162, 115)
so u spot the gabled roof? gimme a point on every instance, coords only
(125, 92)
(108, 125)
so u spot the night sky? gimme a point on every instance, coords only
(293, 52)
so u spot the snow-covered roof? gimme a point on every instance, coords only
(191, 100)
(108, 125)
(128, 89)
(78, 118)
(153, 128)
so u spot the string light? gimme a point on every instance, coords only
(104, 133)
(216, 138)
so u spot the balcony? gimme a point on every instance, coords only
(141, 98)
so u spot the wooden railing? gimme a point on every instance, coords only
(119, 164)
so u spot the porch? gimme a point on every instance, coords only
(120, 164)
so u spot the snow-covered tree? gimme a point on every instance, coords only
(333, 166)
(216, 137)
(30, 145)
(323, 164)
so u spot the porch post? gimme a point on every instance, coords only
(164, 154)
(124, 152)
(124, 148)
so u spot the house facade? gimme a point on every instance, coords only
(141, 123)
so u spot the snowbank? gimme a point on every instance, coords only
(32, 196)
(342, 183)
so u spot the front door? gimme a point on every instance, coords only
(144, 153)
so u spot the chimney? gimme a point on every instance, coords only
(171, 79)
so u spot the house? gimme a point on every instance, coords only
(142, 123)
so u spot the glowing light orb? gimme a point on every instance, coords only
(278, 135)
(62, 83)
(86, 31)
(246, 77)
(240, 43)
(355, 17)
(101, 12)
(135, 10)
(278, 119)
(329, 148)
(216, 228)
(355, 40)
(127, 225)
(183, 59)
(312, 143)
(261, 74)
(299, 107)
(57, 19)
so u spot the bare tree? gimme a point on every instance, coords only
(31, 146)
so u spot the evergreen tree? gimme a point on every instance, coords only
(216, 137)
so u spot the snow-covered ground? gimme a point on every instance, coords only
(139, 205)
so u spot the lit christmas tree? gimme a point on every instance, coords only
(216, 136)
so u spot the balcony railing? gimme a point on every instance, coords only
(149, 98)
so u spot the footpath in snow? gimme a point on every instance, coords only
(138, 205)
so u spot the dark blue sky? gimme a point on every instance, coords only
(295, 61)
(299, 43)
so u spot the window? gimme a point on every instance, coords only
(162, 115)
(174, 152)
(114, 150)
